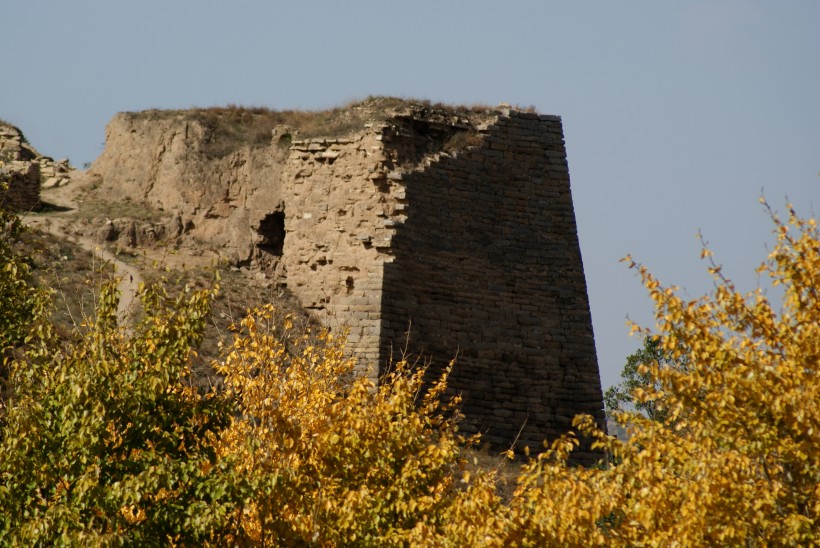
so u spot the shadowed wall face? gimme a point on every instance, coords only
(23, 190)
(487, 265)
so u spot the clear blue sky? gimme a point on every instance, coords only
(677, 115)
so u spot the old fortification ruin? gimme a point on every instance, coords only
(447, 232)
(25, 171)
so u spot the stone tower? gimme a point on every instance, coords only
(471, 253)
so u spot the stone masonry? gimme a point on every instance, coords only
(23, 190)
(470, 255)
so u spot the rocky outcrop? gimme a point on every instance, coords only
(26, 171)
(132, 233)
(162, 162)
(53, 174)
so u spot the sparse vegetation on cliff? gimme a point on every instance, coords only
(232, 127)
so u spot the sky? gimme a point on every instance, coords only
(678, 116)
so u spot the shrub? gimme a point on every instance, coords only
(103, 442)
(333, 459)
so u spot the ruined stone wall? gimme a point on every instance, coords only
(23, 180)
(487, 265)
(455, 226)
(18, 170)
(474, 253)
(340, 209)
(13, 146)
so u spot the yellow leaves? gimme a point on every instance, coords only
(353, 457)
(322, 457)
(740, 453)
(133, 514)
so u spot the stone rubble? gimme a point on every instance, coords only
(27, 171)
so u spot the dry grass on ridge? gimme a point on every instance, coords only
(234, 126)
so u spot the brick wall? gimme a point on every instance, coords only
(475, 252)
(487, 265)
(23, 179)
(338, 234)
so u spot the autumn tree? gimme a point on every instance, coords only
(736, 459)
(104, 442)
(334, 460)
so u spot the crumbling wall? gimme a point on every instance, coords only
(13, 145)
(19, 170)
(449, 234)
(471, 254)
(23, 180)
(343, 200)
(340, 209)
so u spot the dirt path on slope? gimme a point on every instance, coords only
(63, 201)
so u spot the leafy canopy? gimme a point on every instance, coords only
(104, 441)
(636, 375)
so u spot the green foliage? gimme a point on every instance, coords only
(20, 302)
(105, 443)
(635, 375)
